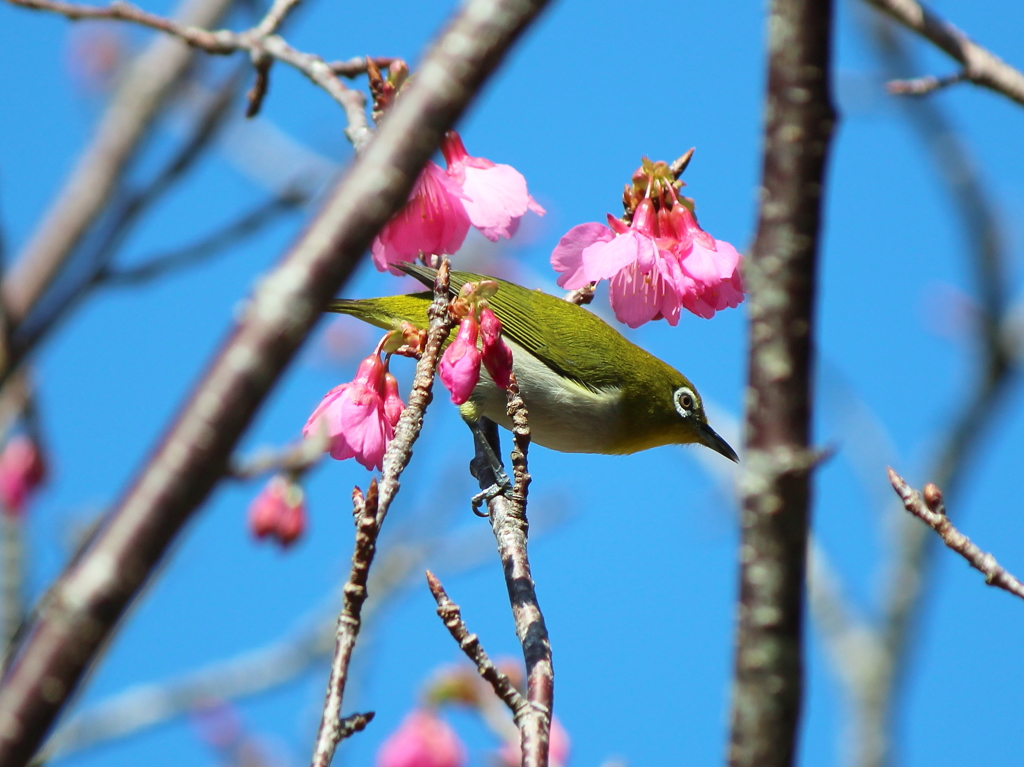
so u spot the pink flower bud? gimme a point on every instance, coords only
(22, 470)
(354, 418)
(393, 405)
(279, 511)
(422, 740)
(460, 365)
(496, 355)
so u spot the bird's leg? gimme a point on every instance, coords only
(486, 465)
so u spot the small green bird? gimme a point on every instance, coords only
(587, 389)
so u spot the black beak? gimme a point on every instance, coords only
(709, 438)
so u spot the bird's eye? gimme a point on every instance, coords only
(684, 400)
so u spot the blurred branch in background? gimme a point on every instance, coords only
(778, 460)
(263, 46)
(133, 110)
(84, 605)
(980, 66)
(929, 508)
(875, 673)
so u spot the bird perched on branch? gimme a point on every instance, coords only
(586, 387)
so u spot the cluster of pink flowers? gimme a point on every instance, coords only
(658, 264)
(359, 417)
(22, 470)
(460, 366)
(445, 203)
(279, 511)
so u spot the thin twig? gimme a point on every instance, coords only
(929, 508)
(469, 643)
(257, 43)
(370, 512)
(980, 65)
(85, 604)
(775, 480)
(156, 266)
(331, 731)
(12, 576)
(921, 86)
(508, 522)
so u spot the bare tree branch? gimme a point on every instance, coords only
(84, 605)
(469, 643)
(775, 481)
(261, 46)
(928, 507)
(132, 112)
(156, 266)
(369, 514)
(508, 522)
(980, 65)
(874, 693)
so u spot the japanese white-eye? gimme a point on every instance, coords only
(587, 388)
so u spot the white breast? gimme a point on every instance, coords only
(564, 416)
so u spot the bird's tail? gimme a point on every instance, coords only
(386, 312)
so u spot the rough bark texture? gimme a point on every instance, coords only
(780, 278)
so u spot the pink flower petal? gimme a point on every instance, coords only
(567, 257)
(602, 261)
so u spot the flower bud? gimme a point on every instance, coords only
(393, 405)
(496, 355)
(22, 470)
(460, 365)
(279, 511)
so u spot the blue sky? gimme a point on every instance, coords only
(634, 556)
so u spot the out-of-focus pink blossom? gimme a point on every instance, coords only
(354, 417)
(660, 262)
(460, 364)
(496, 355)
(22, 470)
(393, 405)
(279, 511)
(511, 754)
(494, 196)
(434, 221)
(422, 740)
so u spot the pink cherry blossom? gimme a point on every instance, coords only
(494, 196)
(279, 511)
(22, 470)
(661, 262)
(495, 353)
(460, 365)
(434, 221)
(422, 740)
(354, 418)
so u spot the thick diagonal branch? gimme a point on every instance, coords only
(780, 278)
(84, 605)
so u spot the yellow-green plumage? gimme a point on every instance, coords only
(587, 388)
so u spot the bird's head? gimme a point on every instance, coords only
(661, 407)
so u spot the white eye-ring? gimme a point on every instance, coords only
(684, 400)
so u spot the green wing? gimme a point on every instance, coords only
(567, 338)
